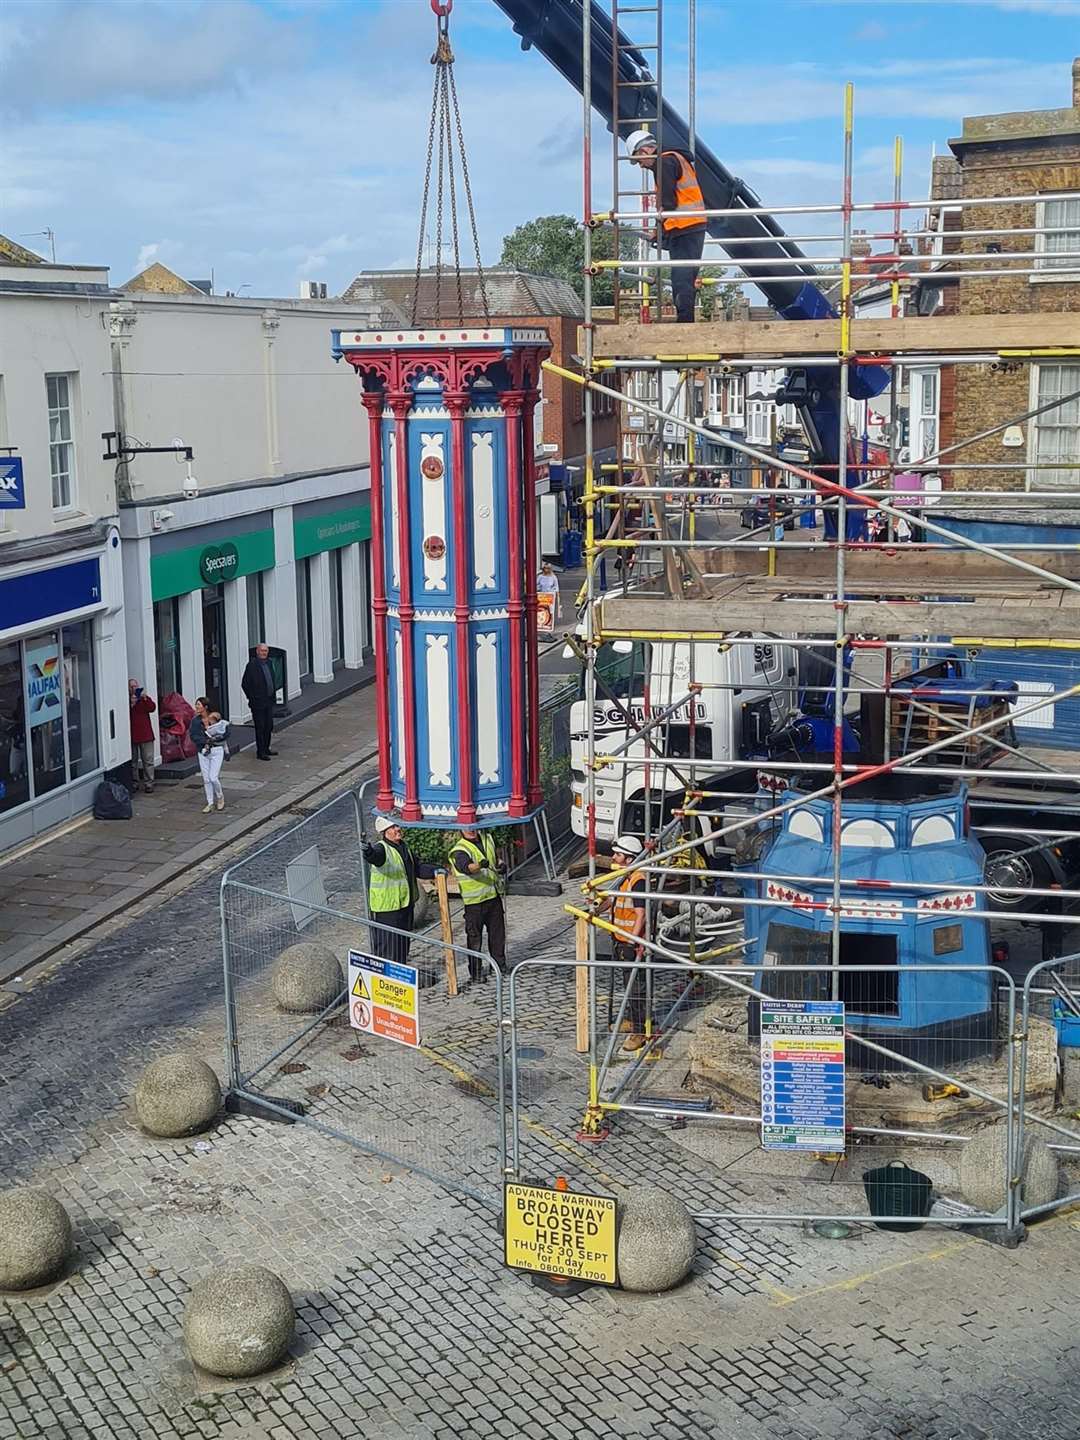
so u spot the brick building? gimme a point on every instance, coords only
(1030, 153)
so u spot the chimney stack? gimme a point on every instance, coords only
(1076, 83)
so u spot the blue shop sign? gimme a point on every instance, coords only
(45, 593)
(12, 490)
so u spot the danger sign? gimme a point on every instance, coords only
(383, 998)
(560, 1232)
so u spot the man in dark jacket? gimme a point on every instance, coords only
(393, 891)
(259, 689)
(679, 198)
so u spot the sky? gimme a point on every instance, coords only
(273, 141)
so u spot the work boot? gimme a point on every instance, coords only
(634, 1042)
(208, 809)
(220, 803)
(148, 788)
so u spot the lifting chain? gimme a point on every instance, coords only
(446, 117)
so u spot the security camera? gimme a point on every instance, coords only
(191, 485)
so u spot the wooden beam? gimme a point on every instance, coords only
(935, 334)
(947, 571)
(1035, 620)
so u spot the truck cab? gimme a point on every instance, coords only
(733, 696)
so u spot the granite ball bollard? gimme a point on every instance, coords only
(239, 1321)
(657, 1240)
(177, 1095)
(35, 1239)
(982, 1170)
(307, 978)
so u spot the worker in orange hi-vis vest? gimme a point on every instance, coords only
(682, 232)
(630, 917)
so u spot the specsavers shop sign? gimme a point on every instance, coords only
(218, 563)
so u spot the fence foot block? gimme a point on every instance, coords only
(270, 1108)
(1008, 1238)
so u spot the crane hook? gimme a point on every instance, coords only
(442, 7)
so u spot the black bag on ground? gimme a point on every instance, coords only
(897, 1190)
(112, 801)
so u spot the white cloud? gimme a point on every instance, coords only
(147, 255)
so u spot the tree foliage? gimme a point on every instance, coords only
(555, 245)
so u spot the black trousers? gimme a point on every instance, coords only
(262, 717)
(684, 245)
(626, 954)
(387, 945)
(486, 915)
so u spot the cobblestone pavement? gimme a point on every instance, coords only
(409, 1325)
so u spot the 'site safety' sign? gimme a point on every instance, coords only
(383, 998)
(560, 1232)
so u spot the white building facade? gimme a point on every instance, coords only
(63, 666)
(265, 536)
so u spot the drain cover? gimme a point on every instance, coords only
(531, 1052)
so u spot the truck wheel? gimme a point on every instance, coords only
(1011, 864)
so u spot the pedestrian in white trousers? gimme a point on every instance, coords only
(209, 734)
(210, 763)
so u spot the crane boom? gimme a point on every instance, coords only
(555, 29)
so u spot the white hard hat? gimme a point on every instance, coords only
(628, 845)
(637, 138)
(384, 823)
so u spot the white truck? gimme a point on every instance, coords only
(747, 690)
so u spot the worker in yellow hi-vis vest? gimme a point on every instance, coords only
(392, 888)
(480, 882)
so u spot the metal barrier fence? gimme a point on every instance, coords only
(292, 915)
(685, 1111)
(1051, 999)
(510, 1076)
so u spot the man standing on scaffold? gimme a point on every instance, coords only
(630, 917)
(682, 232)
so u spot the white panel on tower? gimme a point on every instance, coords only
(433, 492)
(400, 706)
(395, 534)
(438, 708)
(487, 708)
(483, 516)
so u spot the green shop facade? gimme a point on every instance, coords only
(213, 576)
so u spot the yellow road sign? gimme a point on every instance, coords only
(560, 1232)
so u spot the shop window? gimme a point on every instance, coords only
(167, 647)
(256, 609)
(303, 616)
(215, 669)
(59, 390)
(80, 707)
(14, 770)
(337, 608)
(45, 712)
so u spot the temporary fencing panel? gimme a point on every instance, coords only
(685, 1111)
(1050, 1001)
(292, 915)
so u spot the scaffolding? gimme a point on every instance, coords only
(679, 583)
